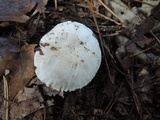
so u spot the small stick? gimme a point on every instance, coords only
(55, 4)
(6, 95)
(122, 21)
(107, 18)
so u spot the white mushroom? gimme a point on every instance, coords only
(69, 57)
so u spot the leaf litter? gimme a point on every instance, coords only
(8, 45)
(15, 10)
(127, 84)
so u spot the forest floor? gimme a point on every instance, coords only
(127, 84)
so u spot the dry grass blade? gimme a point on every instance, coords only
(55, 2)
(107, 18)
(6, 95)
(135, 54)
(157, 39)
(136, 100)
(110, 105)
(122, 21)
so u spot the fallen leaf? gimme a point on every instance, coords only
(39, 115)
(15, 10)
(8, 62)
(145, 42)
(24, 108)
(27, 101)
(21, 68)
(8, 45)
(40, 6)
(27, 93)
(144, 27)
(24, 70)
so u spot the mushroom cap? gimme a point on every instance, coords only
(69, 57)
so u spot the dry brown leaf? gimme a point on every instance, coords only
(28, 101)
(27, 93)
(40, 6)
(24, 108)
(8, 62)
(24, 70)
(39, 115)
(15, 10)
(144, 27)
(8, 45)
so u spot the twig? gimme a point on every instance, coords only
(6, 95)
(158, 41)
(135, 54)
(107, 18)
(122, 21)
(111, 103)
(135, 98)
(55, 4)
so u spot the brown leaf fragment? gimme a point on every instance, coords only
(41, 5)
(24, 70)
(28, 101)
(39, 115)
(8, 62)
(24, 108)
(15, 10)
(8, 45)
(27, 93)
(143, 42)
(143, 28)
